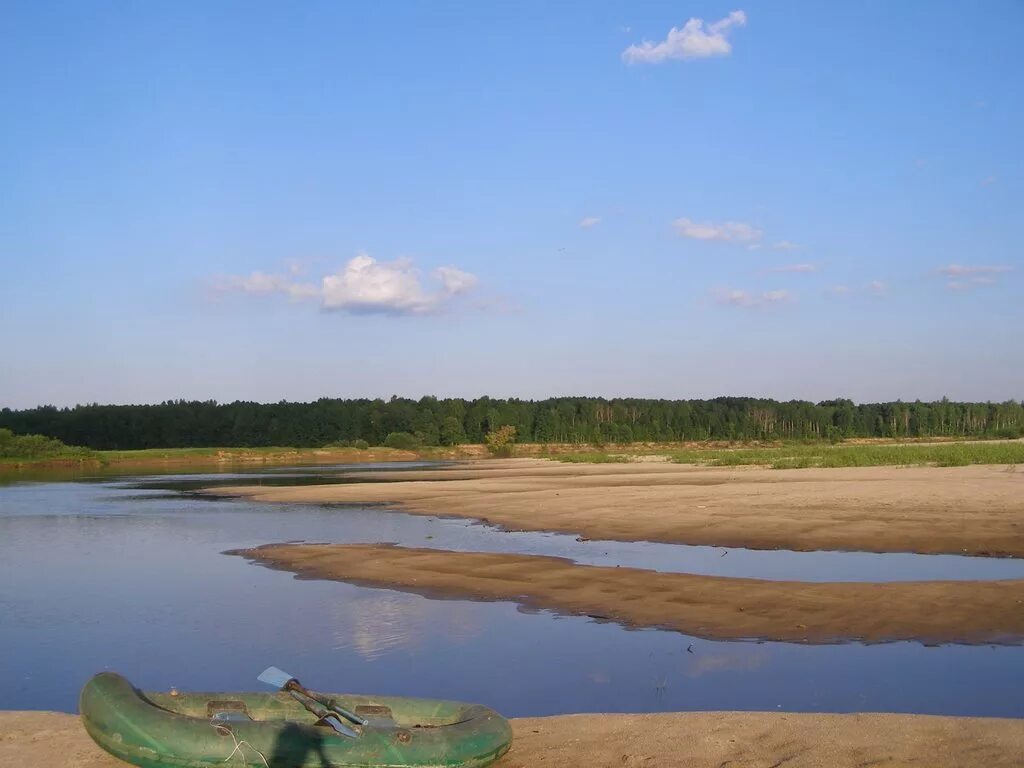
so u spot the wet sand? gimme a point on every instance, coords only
(704, 606)
(729, 739)
(975, 510)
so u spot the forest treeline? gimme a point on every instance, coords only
(433, 421)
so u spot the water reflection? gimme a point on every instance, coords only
(91, 582)
(377, 622)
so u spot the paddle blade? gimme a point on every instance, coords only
(335, 722)
(275, 677)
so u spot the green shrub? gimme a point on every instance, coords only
(14, 446)
(402, 440)
(501, 441)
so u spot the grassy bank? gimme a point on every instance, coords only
(801, 455)
(17, 450)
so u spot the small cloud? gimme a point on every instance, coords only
(589, 221)
(966, 278)
(786, 245)
(920, 162)
(878, 287)
(740, 298)
(727, 231)
(980, 104)
(960, 270)
(693, 41)
(988, 181)
(839, 290)
(364, 285)
(969, 283)
(795, 268)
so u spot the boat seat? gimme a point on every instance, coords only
(229, 711)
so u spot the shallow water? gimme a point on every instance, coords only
(104, 575)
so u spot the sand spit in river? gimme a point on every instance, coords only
(704, 606)
(958, 510)
(733, 739)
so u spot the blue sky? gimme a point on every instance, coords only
(274, 200)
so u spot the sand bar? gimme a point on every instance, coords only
(730, 739)
(703, 606)
(959, 510)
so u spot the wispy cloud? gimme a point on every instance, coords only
(988, 181)
(726, 231)
(962, 277)
(736, 297)
(693, 41)
(589, 221)
(969, 283)
(839, 290)
(795, 268)
(960, 270)
(362, 286)
(786, 245)
(878, 287)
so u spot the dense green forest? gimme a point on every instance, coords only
(181, 424)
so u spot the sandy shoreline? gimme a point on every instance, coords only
(976, 510)
(711, 607)
(731, 739)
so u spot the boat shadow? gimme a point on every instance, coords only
(298, 747)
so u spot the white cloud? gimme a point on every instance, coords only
(740, 298)
(969, 283)
(960, 270)
(693, 41)
(965, 278)
(786, 245)
(589, 221)
(988, 181)
(795, 268)
(365, 285)
(839, 290)
(726, 231)
(455, 281)
(878, 287)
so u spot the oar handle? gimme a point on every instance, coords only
(295, 685)
(322, 712)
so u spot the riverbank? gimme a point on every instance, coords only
(201, 458)
(57, 740)
(710, 607)
(974, 510)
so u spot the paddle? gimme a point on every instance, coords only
(325, 709)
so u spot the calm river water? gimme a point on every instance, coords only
(128, 574)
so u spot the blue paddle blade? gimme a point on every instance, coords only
(275, 677)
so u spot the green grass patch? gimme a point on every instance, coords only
(802, 455)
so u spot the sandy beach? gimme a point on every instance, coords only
(976, 510)
(731, 739)
(703, 606)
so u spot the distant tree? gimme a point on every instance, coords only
(452, 432)
(501, 441)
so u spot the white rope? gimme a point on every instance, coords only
(238, 745)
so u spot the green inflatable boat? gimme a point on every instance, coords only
(279, 730)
